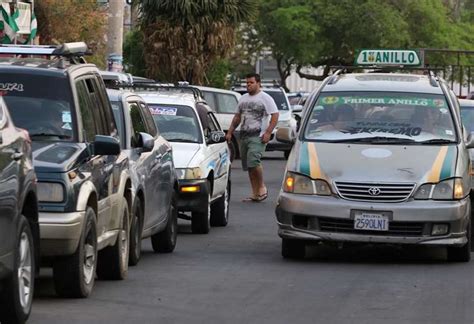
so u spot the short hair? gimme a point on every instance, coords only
(253, 75)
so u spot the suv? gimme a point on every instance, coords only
(285, 118)
(84, 189)
(200, 153)
(380, 158)
(19, 230)
(224, 104)
(154, 183)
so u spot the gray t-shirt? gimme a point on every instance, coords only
(255, 113)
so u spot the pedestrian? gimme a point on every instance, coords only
(258, 115)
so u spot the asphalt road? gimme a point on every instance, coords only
(237, 275)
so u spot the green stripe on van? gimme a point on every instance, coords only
(304, 159)
(448, 164)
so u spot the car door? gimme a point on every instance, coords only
(10, 161)
(219, 156)
(100, 167)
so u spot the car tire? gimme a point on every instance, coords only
(135, 249)
(293, 249)
(17, 294)
(220, 208)
(112, 263)
(74, 275)
(463, 253)
(201, 221)
(165, 241)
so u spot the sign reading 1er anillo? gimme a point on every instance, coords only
(387, 57)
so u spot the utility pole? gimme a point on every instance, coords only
(115, 35)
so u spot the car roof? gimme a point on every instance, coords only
(219, 90)
(466, 103)
(172, 98)
(394, 82)
(117, 95)
(38, 66)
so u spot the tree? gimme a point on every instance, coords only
(133, 55)
(184, 38)
(57, 25)
(326, 33)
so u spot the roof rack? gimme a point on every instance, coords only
(161, 87)
(434, 80)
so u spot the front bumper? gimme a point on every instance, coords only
(192, 201)
(60, 232)
(329, 218)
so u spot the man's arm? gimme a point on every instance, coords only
(235, 123)
(268, 133)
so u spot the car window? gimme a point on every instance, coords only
(37, 108)
(176, 123)
(138, 124)
(87, 111)
(213, 123)
(280, 99)
(227, 104)
(117, 110)
(99, 115)
(467, 116)
(210, 99)
(148, 118)
(101, 95)
(348, 115)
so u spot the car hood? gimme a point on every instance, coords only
(57, 156)
(369, 163)
(183, 153)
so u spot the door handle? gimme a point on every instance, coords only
(17, 156)
(158, 156)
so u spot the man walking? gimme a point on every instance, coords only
(259, 115)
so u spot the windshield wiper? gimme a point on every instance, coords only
(437, 141)
(181, 140)
(375, 139)
(61, 136)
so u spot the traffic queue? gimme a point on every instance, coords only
(99, 166)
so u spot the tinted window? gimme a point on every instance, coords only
(150, 124)
(117, 110)
(210, 99)
(39, 104)
(410, 116)
(138, 124)
(87, 111)
(280, 99)
(467, 116)
(176, 123)
(227, 103)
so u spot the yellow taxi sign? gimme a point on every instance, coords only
(387, 57)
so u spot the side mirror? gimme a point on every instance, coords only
(470, 141)
(285, 135)
(297, 108)
(146, 142)
(216, 137)
(106, 145)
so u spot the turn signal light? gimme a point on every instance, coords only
(188, 189)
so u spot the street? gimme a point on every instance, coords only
(236, 274)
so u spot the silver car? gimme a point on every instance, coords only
(380, 158)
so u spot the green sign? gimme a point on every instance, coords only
(388, 57)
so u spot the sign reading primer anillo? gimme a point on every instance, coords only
(388, 57)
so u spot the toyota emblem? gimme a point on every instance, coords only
(374, 191)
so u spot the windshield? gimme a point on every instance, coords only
(381, 116)
(39, 104)
(280, 98)
(467, 116)
(176, 123)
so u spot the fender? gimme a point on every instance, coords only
(87, 189)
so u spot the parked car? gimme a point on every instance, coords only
(297, 102)
(285, 118)
(84, 188)
(154, 183)
(200, 153)
(380, 159)
(467, 117)
(19, 229)
(224, 104)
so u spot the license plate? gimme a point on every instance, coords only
(371, 222)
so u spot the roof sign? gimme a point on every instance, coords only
(388, 57)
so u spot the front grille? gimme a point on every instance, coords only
(382, 192)
(347, 226)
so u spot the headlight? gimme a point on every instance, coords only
(50, 192)
(300, 184)
(445, 190)
(189, 173)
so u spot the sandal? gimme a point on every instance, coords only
(249, 199)
(260, 198)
